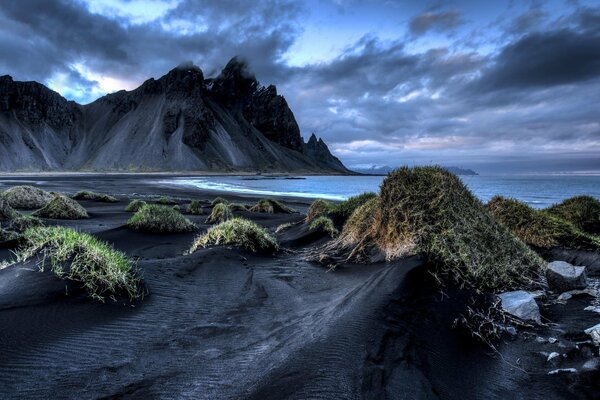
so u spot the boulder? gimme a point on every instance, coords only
(520, 304)
(594, 332)
(563, 276)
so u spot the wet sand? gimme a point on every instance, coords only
(225, 323)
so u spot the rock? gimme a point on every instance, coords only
(540, 339)
(594, 332)
(553, 358)
(595, 309)
(592, 365)
(552, 340)
(562, 371)
(563, 276)
(521, 305)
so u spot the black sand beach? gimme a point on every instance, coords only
(226, 323)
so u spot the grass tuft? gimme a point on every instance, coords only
(23, 222)
(166, 201)
(539, 228)
(238, 207)
(159, 219)
(93, 196)
(271, 206)
(317, 208)
(219, 200)
(26, 197)
(135, 205)
(341, 211)
(62, 207)
(6, 211)
(325, 224)
(195, 208)
(240, 233)
(581, 211)
(102, 270)
(220, 213)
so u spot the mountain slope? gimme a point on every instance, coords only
(179, 122)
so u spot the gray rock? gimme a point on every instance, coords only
(594, 333)
(553, 358)
(563, 276)
(562, 371)
(591, 365)
(595, 309)
(521, 305)
(552, 340)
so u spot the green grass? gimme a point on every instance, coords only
(341, 211)
(195, 208)
(6, 211)
(581, 211)
(220, 212)
(219, 200)
(62, 207)
(429, 211)
(237, 232)
(93, 196)
(159, 219)
(325, 224)
(26, 197)
(271, 206)
(539, 228)
(317, 208)
(98, 267)
(135, 205)
(166, 201)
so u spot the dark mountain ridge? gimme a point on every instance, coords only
(179, 122)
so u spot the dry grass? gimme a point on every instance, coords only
(220, 213)
(237, 232)
(160, 219)
(62, 207)
(26, 197)
(93, 196)
(271, 206)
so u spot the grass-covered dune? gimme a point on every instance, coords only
(99, 268)
(221, 212)
(429, 211)
(156, 218)
(62, 207)
(237, 232)
(93, 196)
(6, 211)
(135, 205)
(271, 206)
(195, 208)
(26, 197)
(539, 228)
(581, 211)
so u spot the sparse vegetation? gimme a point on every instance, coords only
(341, 211)
(240, 233)
(195, 208)
(325, 224)
(271, 206)
(62, 207)
(283, 227)
(317, 208)
(581, 211)
(102, 270)
(428, 210)
(166, 201)
(159, 219)
(220, 212)
(93, 196)
(135, 205)
(26, 197)
(539, 228)
(219, 200)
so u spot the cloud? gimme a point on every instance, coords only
(435, 21)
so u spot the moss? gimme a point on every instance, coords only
(219, 200)
(581, 211)
(317, 208)
(341, 211)
(166, 201)
(271, 206)
(93, 196)
(539, 228)
(429, 211)
(135, 205)
(160, 219)
(195, 208)
(6, 211)
(240, 233)
(99, 268)
(62, 207)
(220, 212)
(26, 197)
(23, 222)
(325, 224)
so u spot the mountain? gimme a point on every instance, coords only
(386, 169)
(179, 122)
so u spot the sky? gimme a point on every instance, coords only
(500, 87)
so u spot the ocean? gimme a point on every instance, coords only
(539, 191)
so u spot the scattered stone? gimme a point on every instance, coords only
(562, 371)
(594, 332)
(553, 358)
(595, 309)
(540, 339)
(591, 365)
(511, 330)
(552, 340)
(572, 293)
(563, 276)
(521, 305)
(538, 294)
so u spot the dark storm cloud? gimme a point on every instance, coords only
(435, 21)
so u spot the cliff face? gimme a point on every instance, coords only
(179, 122)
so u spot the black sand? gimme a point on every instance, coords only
(223, 323)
